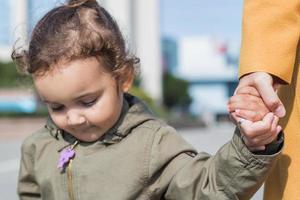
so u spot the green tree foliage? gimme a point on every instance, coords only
(175, 92)
(9, 77)
(154, 106)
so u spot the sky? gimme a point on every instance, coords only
(178, 18)
(218, 18)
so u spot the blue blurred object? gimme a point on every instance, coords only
(18, 105)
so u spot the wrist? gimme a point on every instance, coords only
(273, 147)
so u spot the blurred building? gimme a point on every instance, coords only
(138, 20)
(13, 19)
(208, 67)
(170, 54)
(5, 19)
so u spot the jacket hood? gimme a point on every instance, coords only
(134, 113)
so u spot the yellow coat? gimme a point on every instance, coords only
(270, 43)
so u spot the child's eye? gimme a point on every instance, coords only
(56, 108)
(89, 103)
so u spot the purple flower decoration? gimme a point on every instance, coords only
(65, 156)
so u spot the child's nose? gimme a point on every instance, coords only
(75, 118)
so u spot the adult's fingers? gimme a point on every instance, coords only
(247, 106)
(236, 119)
(247, 90)
(263, 82)
(270, 97)
(250, 115)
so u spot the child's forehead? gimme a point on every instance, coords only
(73, 77)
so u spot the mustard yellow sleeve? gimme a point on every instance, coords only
(270, 36)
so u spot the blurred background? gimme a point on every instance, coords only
(189, 61)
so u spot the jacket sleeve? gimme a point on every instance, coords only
(28, 188)
(177, 172)
(233, 173)
(270, 36)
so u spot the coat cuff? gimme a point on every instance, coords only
(254, 158)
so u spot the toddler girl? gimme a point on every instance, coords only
(101, 142)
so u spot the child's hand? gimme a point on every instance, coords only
(247, 104)
(258, 134)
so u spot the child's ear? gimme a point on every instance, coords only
(127, 80)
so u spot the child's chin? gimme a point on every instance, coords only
(88, 137)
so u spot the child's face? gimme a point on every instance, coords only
(82, 98)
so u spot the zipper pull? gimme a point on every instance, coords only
(66, 155)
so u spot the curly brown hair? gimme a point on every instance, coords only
(76, 30)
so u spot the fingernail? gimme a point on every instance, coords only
(279, 129)
(280, 111)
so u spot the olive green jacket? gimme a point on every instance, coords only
(139, 158)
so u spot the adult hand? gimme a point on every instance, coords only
(247, 104)
(266, 87)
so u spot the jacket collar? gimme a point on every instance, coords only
(134, 112)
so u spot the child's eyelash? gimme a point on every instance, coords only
(58, 108)
(89, 103)
(84, 103)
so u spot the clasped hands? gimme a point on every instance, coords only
(255, 108)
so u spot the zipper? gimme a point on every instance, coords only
(70, 181)
(70, 176)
